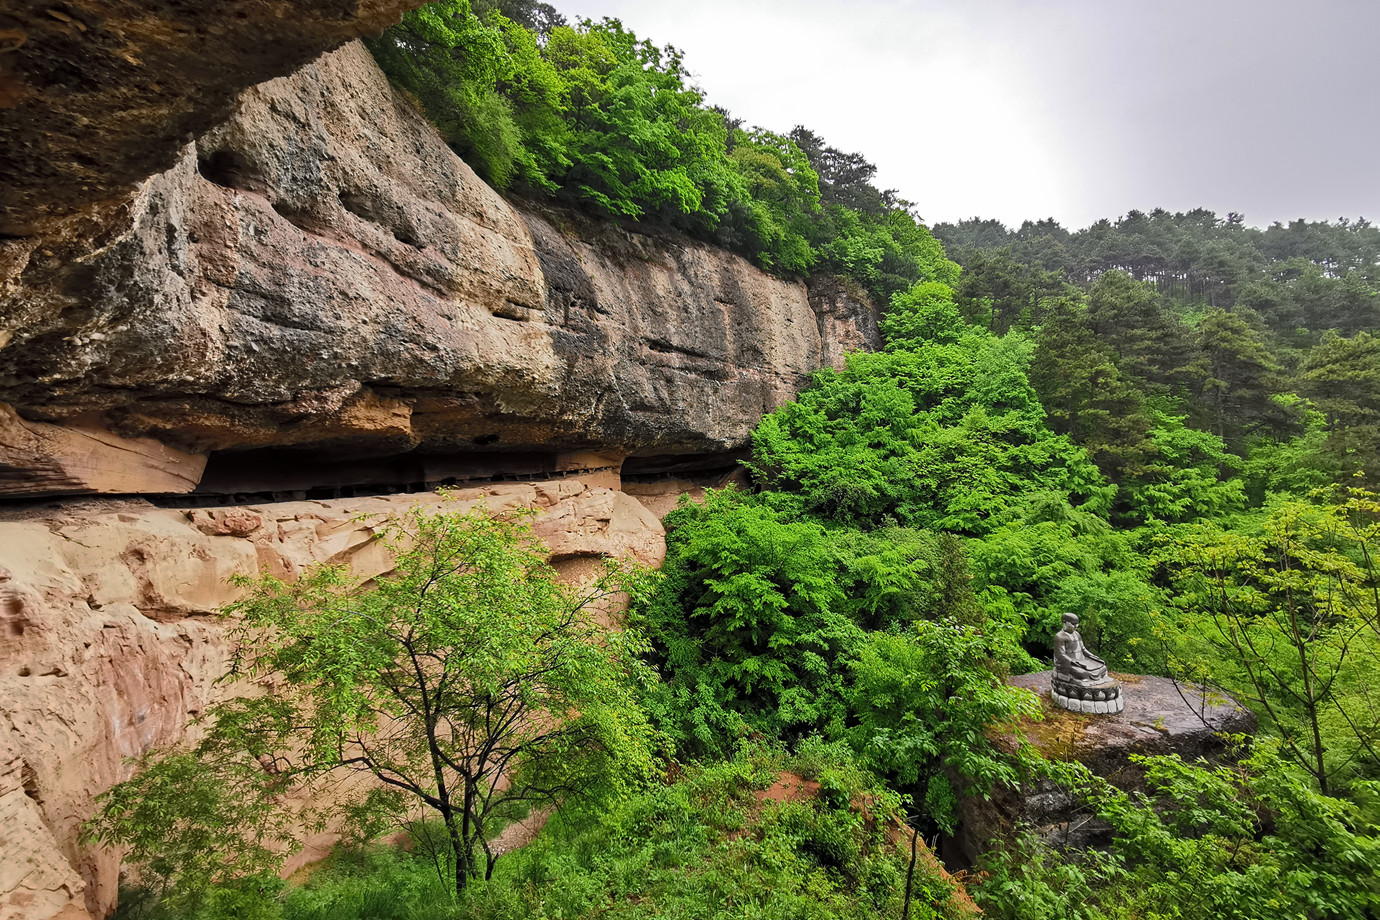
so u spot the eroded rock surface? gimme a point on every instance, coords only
(109, 646)
(322, 272)
(97, 95)
(1160, 717)
(36, 458)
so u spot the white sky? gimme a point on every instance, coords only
(1075, 109)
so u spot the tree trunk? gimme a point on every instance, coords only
(457, 846)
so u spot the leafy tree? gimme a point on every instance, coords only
(1088, 398)
(1182, 475)
(1296, 466)
(469, 682)
(1240, 378)
(924, 314)
(923, 701)
(771, 215)
(452, 62)
(1288, 621)
(539, 18)
(1151, 346)
(750, 628)
(642, 141)
(845, 179)
(1051, 558)
(1342, 378)
(1000, 292)
(944, 435)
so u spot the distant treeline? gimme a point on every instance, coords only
(1305, 275)
(1263, 338)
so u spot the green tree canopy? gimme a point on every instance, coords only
(468, 681)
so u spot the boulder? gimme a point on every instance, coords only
(1160, 716)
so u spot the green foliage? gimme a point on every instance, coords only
(1242, 842)
(922, 702)
(641, 141)
(468, 681)
(924, 314)
(1029, 880)
(452, 63)
(1052, 559)
(713, 844)
(1342, 377)
(757, 834)
(1239, 378)
(750, 627)
(944, 436)
(201, 833)
(1181, 476)
(1295, 466)
(758, 628)
(1288, 620)
(1224, 320)
(772, 216)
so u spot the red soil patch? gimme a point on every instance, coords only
(789, 787)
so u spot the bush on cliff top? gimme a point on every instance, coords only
(592, 115)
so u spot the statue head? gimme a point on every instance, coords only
(1071, 621)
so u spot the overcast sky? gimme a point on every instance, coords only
(1075, 109)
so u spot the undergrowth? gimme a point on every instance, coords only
(708, 840)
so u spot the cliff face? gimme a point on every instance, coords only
(321, 272)
(317, 292)
(97, 95)
(109, 646)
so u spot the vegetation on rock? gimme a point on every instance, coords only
(594, 116)
(1168, 425)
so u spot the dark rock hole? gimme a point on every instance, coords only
(28, 778)
(227, 169)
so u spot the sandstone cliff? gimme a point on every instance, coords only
(322, 273)
(108, 646)
(316, 292)
(97, 95)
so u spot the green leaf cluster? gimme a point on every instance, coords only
(1243, 841)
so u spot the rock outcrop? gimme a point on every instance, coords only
(315, 292)
(52, 459)
(321, 272)
(108, 645)
(1160, 717)
(98, 95)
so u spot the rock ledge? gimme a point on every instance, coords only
(1159, 717)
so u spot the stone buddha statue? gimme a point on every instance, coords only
(1080, 682)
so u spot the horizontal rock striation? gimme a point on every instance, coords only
(322, 273)
(108, 646)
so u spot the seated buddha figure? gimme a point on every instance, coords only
(1072, 660)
